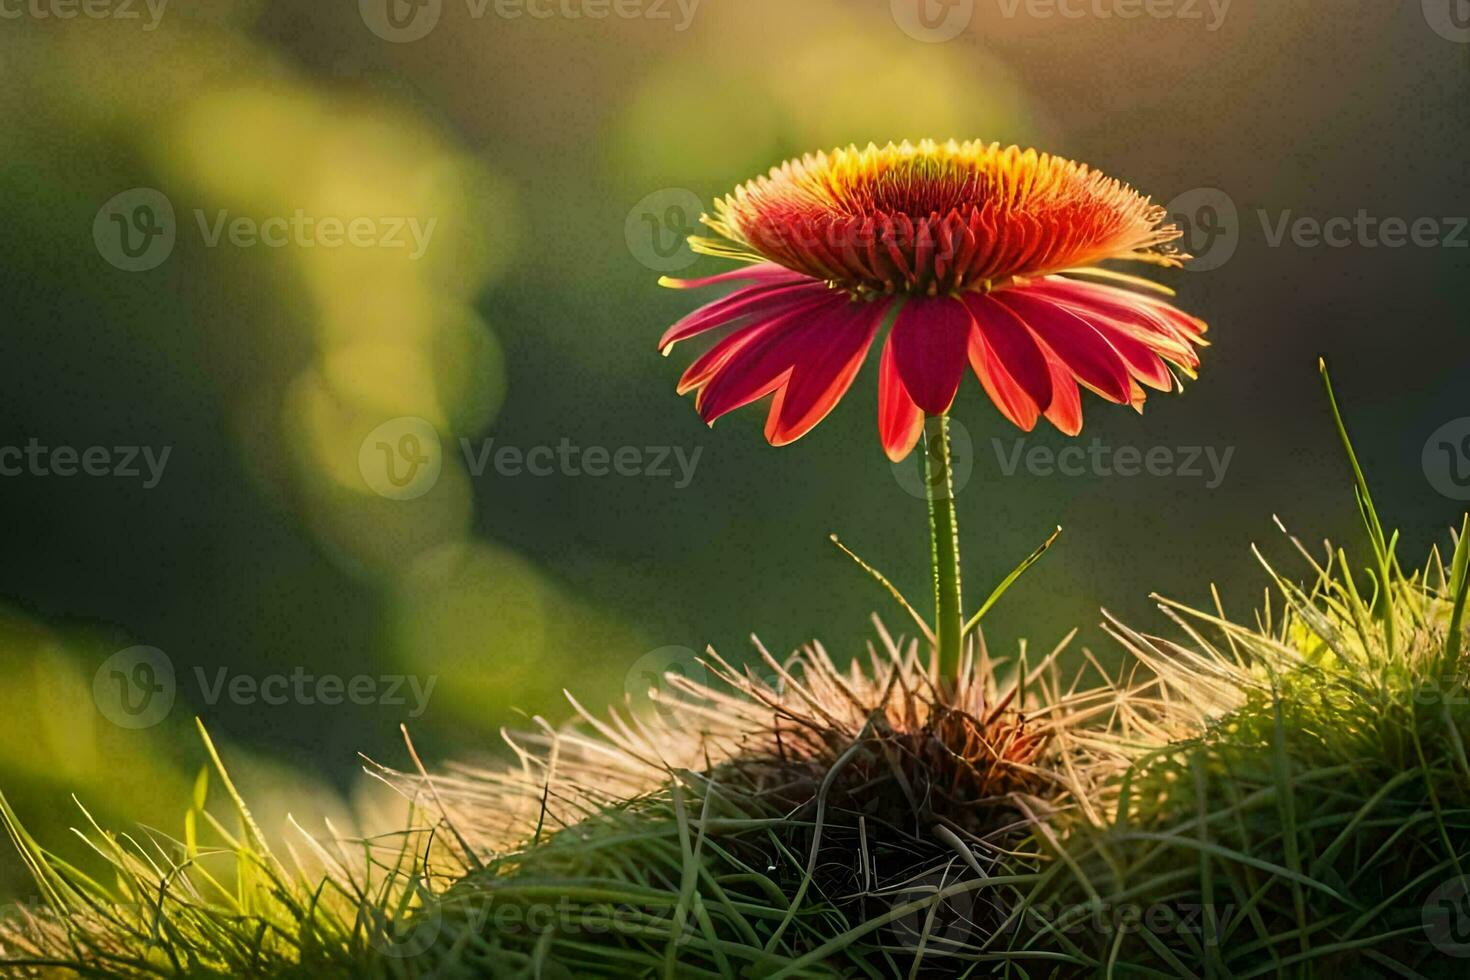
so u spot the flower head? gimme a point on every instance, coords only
(977, 254)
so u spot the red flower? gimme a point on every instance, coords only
(971, 251)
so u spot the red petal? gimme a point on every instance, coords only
(1131, 343)
(1065, 411)
(1144, 312)
(1143, 363)
(900, 421)
(756, 369)
(1137, 397)
(698, 374)
(757, 301)
(1087, 352)
(762, 272)
(708, 364)
(1008, 396)
(1013, 346)
(816, 386)
(929, 340)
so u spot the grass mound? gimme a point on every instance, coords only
(870, 822)
(875, 821)
(1308, 811)
(1288, 797)
(214, 902)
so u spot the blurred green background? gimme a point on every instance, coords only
(557, 157)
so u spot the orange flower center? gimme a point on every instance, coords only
(936, 218)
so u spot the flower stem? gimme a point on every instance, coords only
(944, 540)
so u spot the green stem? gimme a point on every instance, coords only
(944, 541)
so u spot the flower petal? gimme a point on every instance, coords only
(1012, 400)
(1143, 363)
(818, 384)
(1131, 343)
(1013, 346)
(698, 374)
(1065, 411)
(757, 368)
(900, 421)
(765, 273)
(929, 341)
(1085, 351)
(1134, 309)
(753, 301)
(708, 364)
